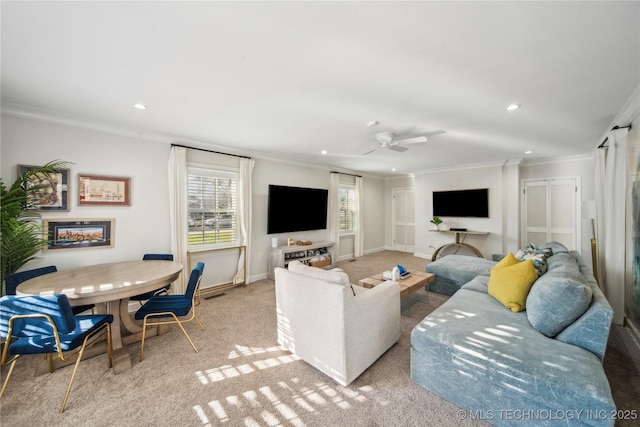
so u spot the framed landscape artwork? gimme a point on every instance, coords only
(53, 192)
(79, 233)
(103, 190)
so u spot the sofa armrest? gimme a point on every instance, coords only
(372, 325)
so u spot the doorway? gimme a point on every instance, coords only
(550, 211)
(403, 214)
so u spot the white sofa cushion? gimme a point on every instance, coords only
(333, 276)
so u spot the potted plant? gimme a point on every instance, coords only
(20, 230)
(436, 221)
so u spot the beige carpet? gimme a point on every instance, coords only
(241, 378)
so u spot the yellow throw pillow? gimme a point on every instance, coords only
(508, 260)
(510, 283)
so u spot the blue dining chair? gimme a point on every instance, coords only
(163, 290)
(166, 309)
(14, 279)
(45, 324)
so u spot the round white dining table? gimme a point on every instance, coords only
(109, 286)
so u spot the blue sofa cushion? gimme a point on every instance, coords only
(453, 271)
(473, 335)
(558, 298)
(555, 247)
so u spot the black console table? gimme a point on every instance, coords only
(459, 242)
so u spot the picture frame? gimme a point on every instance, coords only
(54, 194)
(104, 190)
(88, 233)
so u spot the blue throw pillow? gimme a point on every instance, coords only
(556, 300)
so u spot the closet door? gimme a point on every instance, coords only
(403, 218)
(550, 211)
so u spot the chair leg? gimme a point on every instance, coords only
(6, 380)
(144, 330)
(198, 320)
(88, 341)
(73, 375)
(185, 333)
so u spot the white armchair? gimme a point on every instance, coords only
(337, 328)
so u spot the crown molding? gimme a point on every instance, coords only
(550, 160)
(461, 167)
(85, 123)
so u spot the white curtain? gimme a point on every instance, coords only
(244, 218)
(178, 213)
(359, 237)
(611, 172)
(334, 213)
(601, 161)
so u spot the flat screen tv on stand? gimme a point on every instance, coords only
(461, 203)
(296, 209)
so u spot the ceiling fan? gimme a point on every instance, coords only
(392, 141)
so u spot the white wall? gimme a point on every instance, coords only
(580, 166)
(144, 226)
(268, 172)
(459, 179)
(139, 228)
(375, 216)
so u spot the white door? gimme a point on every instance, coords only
(403, 217)
(550, 211)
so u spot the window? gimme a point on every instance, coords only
(212, 207)
(348, 209)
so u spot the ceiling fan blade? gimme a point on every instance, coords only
(413, 140)
(433, 132)
(397, 148)
(371, 151)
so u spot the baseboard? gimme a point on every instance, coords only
(257, 277)
(421, 255)
(372, 251)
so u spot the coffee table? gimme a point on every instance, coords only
(411, 288)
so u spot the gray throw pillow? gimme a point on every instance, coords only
(556, 301)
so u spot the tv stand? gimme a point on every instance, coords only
(318, 254)
(459, 241)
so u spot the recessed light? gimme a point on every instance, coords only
(140, 106)
(393, 169)
(512, 107)
(324, 151)
(528, 152)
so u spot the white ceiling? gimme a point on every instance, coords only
(289, 79)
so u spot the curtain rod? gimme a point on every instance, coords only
(210, 151)
(349, 174)
(613, 128)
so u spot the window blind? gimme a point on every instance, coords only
(348, 209)
(212, 207)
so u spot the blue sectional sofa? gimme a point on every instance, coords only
(541, 366)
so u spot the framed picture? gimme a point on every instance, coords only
(103, 190)
(79, 233)
(53, 192)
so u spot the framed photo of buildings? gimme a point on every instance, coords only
(104, 190)
(79, 233)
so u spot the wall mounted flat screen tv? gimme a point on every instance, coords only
(296, 209)
(462, 203)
